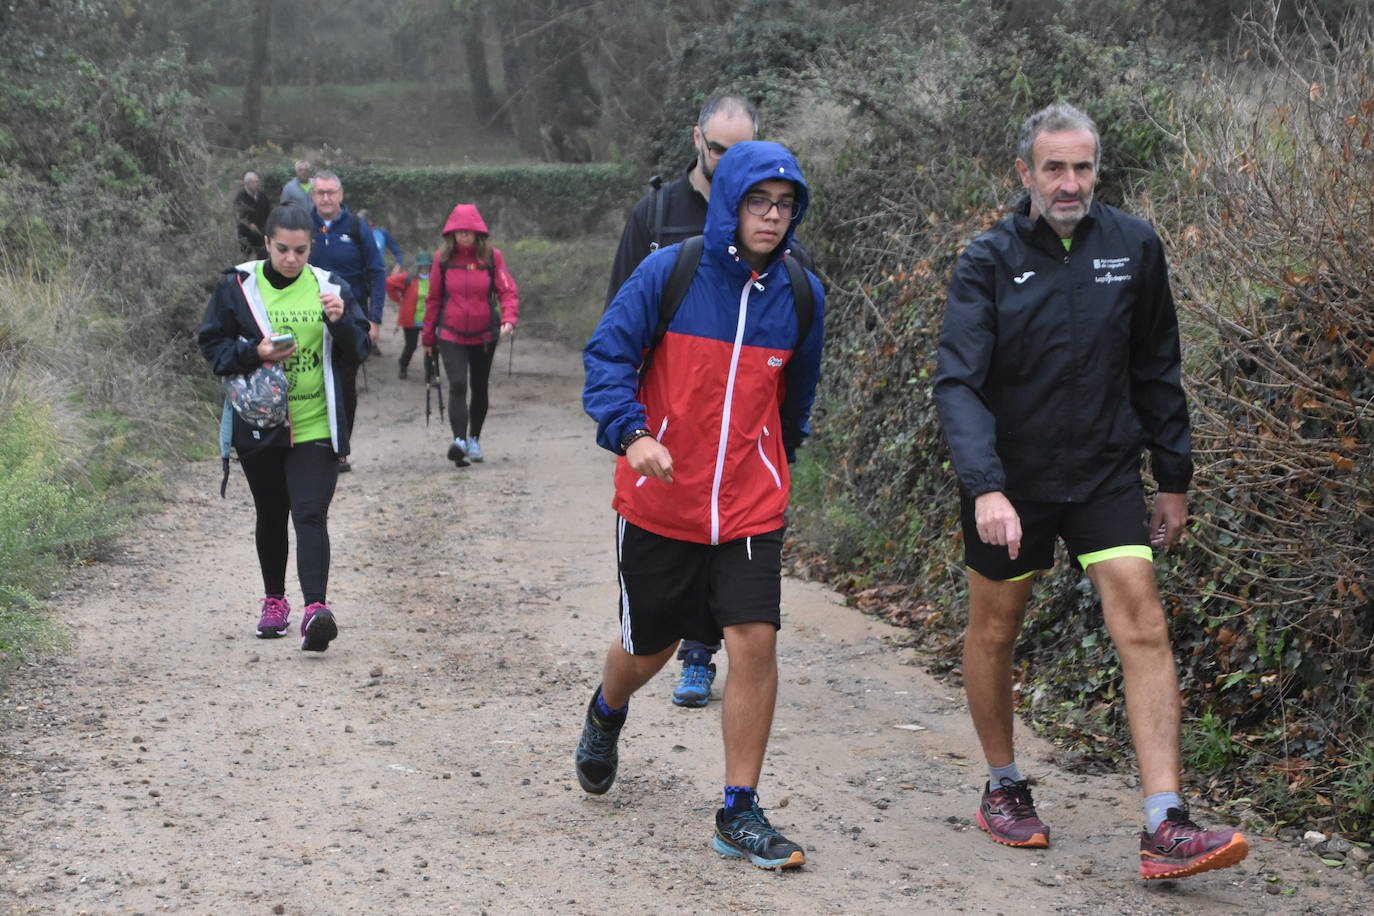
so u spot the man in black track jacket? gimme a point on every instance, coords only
(1059, 362)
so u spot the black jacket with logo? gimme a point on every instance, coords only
(1057, 367)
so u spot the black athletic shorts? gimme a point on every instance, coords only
(671, 589)
(1109, 525)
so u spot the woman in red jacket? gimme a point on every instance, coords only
(472, 302)
(408, 291)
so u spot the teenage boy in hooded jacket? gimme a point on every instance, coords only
(705, 439)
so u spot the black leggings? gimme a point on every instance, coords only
(458, 359)
(300, 482)
(412, 341)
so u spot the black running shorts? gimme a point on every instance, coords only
(671, 589)
(1109, 525)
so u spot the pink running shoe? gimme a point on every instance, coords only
(275, 619)
(1008, 815)
(1180, 848)
(318, 628)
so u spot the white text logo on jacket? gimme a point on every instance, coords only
(1110, 265)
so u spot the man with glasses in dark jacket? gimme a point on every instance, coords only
(343, 244)
(1059, 362)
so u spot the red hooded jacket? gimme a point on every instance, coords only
(465, 283)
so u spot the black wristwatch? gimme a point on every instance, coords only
(632, 436)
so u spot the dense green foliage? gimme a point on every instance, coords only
(103, 259)
(1264, 209)
(562, 285)
(46, 520)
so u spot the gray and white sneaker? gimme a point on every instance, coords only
(458, 452)
(474, 450)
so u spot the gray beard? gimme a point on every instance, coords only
(1059, 226)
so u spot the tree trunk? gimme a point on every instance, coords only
(550, 98)
(257, 70)
(475, 50)
(514, 47)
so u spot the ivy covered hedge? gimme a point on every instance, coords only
(1264, 210)
(556, 201)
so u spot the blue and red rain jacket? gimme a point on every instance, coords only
(728, 390)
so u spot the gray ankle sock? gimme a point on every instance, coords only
(997, 774)
(1157, 806)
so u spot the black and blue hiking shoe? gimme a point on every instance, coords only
(748, 834)
(597, 759)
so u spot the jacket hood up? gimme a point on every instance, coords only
(465, 216)
(743, 166)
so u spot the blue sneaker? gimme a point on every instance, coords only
(749, 835)
(694, 687)
(475, 451)
(597, 759)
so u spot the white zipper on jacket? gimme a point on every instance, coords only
(768, 464)
(725, 410)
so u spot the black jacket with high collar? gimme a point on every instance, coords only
(1057, 367)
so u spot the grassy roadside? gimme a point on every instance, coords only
(85, 425)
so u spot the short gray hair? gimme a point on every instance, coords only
(1053, 119)
(728, 104)
(248, 175)
(327, 176)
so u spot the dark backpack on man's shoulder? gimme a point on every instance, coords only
(685, 268)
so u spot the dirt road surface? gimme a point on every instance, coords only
(174, 763)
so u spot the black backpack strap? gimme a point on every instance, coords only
(802, 298)
(684, 269)
(493, 299)
(656, 231)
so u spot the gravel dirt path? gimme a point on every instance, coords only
(174, 763)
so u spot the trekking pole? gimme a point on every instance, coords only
(433, 379)
(510, 361)
(429, 381)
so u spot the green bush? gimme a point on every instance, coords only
(46, 521)
(105, 253)
(562, 285)
(557, 201)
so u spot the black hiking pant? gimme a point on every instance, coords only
(460, 362)
(297, 482)
(412, 341)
